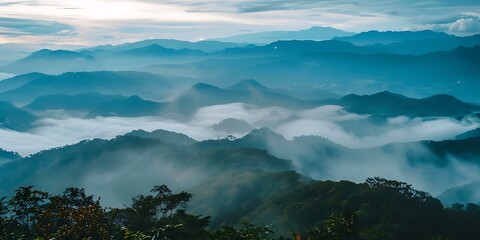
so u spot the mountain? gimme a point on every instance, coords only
(466, 149)
(156, 50)
(15, 118)
(320, 158)
(390, 104)
(53, 62)
(228, 205)
(241, 179)
(314, 33)
(7, 156)
(310, 154)
(233, 126)
(469, 193)
(13, 51)
(202, 95)
(73, 83)
(453, 72)
(131, 164)
(424, 46)
(164, 136)
(377, 37)
(377, 103)
(133, 106)
(18, 81)
(248, 85)
(389, 210)
(470, 134)
(79, 102)
(204, 46)
(301, 46)
(304, 94)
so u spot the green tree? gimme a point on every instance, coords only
(25, 206)
(336, 227)
(74, 216)
(400, 187)
(247, 231)
(163, 216)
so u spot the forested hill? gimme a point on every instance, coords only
(376, 209)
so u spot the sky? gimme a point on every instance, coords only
(93, 22)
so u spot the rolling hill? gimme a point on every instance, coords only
(133, 106)
(72, 83)
(314, 33)
(79, 102)
(392, 105)
(18, 81)
(53, 62)
(133, 164)
(204, 46)
(202, 95)
(387, 37)
(15, 118)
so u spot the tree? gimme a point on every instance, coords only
(400, 187)
(246, 232)
(25, 206)
(74, 215)
(336, 227)
(163, 216)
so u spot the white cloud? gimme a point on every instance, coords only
(323, 121)
(130, 20)
(466, 25)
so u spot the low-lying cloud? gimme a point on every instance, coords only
(324, 121)
(313, 160)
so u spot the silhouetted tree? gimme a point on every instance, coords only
(74, 215)
(163, 216)
(25, 206)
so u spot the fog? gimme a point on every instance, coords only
(408, 130)
(356, 163)
(323, 121)
(397, 165)
(52, 133)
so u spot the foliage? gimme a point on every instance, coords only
(378, 209)
(73, 215)
(246, 232)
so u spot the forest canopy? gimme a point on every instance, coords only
(376, 209)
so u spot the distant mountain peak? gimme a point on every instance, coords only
(317, 33)
(152, 48)
(443, 98)
(42, 51)
(386, 37)
(135, 98)
(164, 136)
(393, 104)
(264, 132)
(320, 27)
(250, 82)
(387, 93)
(475, 133)
(247, 85)
(233, 125)
(203, 86)
(60, 53)
(155, 45)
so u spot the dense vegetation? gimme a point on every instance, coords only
(376, 209)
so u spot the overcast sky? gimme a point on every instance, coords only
(88, 22)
